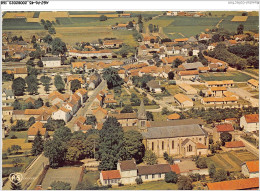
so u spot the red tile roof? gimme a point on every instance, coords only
(175, 168)
(252, 118)
(174, 116)
(33, 130)
(201, 146)
(234, 144)
(224, 127)
(241, 184)
(253, 166)
(111, 174)
(191, 72)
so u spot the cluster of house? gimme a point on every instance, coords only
(185, 13)
(122, 26)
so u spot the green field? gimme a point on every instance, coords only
(252, 71)
(156, 185)
(20, 24)
(232, 160)
(236, 76)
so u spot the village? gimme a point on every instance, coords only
(168, 113)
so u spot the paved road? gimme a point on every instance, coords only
(31, 173)
(251, 148)
(245, 95)
(83, 110)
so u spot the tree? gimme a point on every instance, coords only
(91, 120)
(75, 85)
(37, 146)
(165, 111)
(151, 29)
(184, 183)
(92, 144)
(52, 30)
(62, 133)
(55, 151)
(31, 121)
(201, 163)
(38, 103)
(103, 18)
(220, 175)
(45, 80)
(112, 77)
(58, 47)
(59, 185)
(150, 158)
(16, 148)
(240, 29)
(54, 124)
(47, 39)
(59, 83)
(130, 24)
(133, 145)
(241, 64)
(111, 145)
(40, 63)
(225, 137)
(19, 126)
(149, 116)
(16, 162)
(17, 105)
(212, 170)
(170, 75)
(127, 109)
(30, 63)
(76, 150)
(176, 63)
(32, 84)
(32, 71)
(171, 177)
(139, 180)
(18, 86)
(125, 50)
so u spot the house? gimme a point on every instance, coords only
(44, 117)
(253, 83)
(181, 39)
(20, 72)
(187, 75)
(33, 130)
(50, 62)
(7, 111)
(91, 54)
(173, 116)
(100, 114)
(63, 114)
(19, 115)
(110, 99)
(183, 100)
(205, 37)
(120, 26)
(56, 97)
(126, 15)
(250, 169)
(126, 119)
(225, 83)
(203, 69)
(240, 184)
(78, 66)
(97, 102)
(219, 100)
(218, 91)
(83, 94)
(172, 13)
(113, 43)
(191, 66)
(188, 167)
(171, 59)
(8, 94)
(153, 172)
(234, 145)
(221, 128)
(110, 177)
(128, 171)
(188, 89)
(250, 122)
(154, 86)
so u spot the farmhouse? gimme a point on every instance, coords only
(234, 145)
(187, 89)
(224, 83)
(250, 169)
(183, 100)
(172, 13)
(219, 100)
(63, 114)
(51, 62)
(154, 86)
(78, 66)
(218, 129)
(187, 75)
(240, 184)
(191, 66)
(250, 122)
(8, 94)
(217, 91)
(112, 43)
(100, 114)
(120, 26)
(91, 54)
(7, 110)
(253, 83)
(188, 167)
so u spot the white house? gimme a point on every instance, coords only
(7, 94)
(154, 86)
(250, 169)
(128, 171)
(250, 122)
(63, 114)
(51, 62)
(33, 130)
(83, 94)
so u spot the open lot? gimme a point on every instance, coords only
(236, 76)
(232, 160)
(64, 174)
(156, 185)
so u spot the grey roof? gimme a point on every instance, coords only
(190, 66)
(173, 131)
(9, 92)
(185, 141)
(50, 58)
(154, 169)
(128, 165)
(176, 122)
(192, 39)
(153, 84)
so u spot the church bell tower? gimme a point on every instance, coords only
(142, 119)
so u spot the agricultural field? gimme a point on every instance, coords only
(252, 71)
(232, 160)
(21, 142)
(156, 185)
(20, 24)
(236, 76)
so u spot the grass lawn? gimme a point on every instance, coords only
(252, 71)
(18, 134)
(156, 185)
(231, 160)
(9, 142)
(173, 89)
(250, 140)
(91, 177)
(148, 107)
(159, 117)
(236, 76)
(20, 24)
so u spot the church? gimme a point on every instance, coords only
(183, 138)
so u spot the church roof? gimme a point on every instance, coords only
(176, 122)
(141, 112)
(173, 131)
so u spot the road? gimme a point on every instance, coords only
(31, 174)
(249, 146)
(245, 95)
(83, 110)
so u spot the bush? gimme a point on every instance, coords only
(4, 156)
(139, 181)
(13, 137)
(171, 177)
(120, 184)
(165, 156)
(201, 163)
(172, 82)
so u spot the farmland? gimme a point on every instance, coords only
(236, 76)
(20, 24)
(231, 160)
(21, 142)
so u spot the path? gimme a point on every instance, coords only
(219, 23)
(31, 174)
(249, 146)
(83, 110)
(245, 95)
